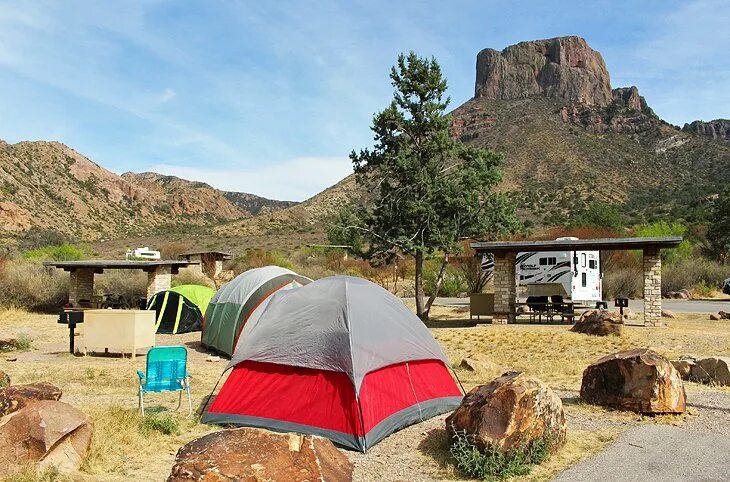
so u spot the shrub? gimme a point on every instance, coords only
(190, 277)
(599, 215)
(31, 287)
(623, 283)
(165, 424)
(129, 284)
(63, 252)
(173, 249)
(454, 280)
(692, 273)
(256, 258)
(492, 464)
(664, 228)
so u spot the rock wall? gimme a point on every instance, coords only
(564, 67)
(716, 129)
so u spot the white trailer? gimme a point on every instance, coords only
(142, 253)
(572, 275)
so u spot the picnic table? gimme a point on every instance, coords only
(548, 311)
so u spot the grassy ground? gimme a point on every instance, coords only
(123, 447)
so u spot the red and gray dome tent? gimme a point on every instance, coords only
(341, 358)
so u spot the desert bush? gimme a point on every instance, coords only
(173, 249)
(129, 284)
(625, 282)
(256, 258)
(32, 473)
(190, 277)
(28, 285)
(62, 252)
(691, 273)
(492, 464)
(454, 280)
(664, 228)
(37, 237)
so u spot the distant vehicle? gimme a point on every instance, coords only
(726, 286)
(558, 275)
(142, 253)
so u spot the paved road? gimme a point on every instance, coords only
(657, 453)
(679, 306)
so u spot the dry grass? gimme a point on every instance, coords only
(122, 448)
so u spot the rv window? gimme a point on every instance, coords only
(583, 260)
(548, 261)
(592, 263)
(583, 280)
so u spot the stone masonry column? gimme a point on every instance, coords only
(81, 286)
(158, 279)
(652, 287)
(505, 291)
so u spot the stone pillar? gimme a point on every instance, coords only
(505, 291)
(81, 286)
(652, 287)
(159, 279)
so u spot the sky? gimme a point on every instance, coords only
(270, 97)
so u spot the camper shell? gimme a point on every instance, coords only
(570, 275)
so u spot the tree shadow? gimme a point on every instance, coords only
(198, 346)
(436, 446)
(459, 323)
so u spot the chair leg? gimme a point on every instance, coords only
(141, 402)
(179, 401)
(190, 401)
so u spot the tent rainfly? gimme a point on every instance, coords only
(242, 300)
(341, 358)
(180, 309)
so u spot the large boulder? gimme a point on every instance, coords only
(639, 380)
(684, 366)
(257, 455)
(712, 370)
(599, 323)
(511, 411)
(477, 362)
(15, 397)
(45, 432)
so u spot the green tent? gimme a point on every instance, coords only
(180, 309)
(199, 295)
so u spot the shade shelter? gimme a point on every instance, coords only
(505, 253)
(159, 274)
(241, 300)
(209, 263)
(341, 358)
(180, 309)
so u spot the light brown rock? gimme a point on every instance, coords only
(668, 314)
(46, 432)
(714, 317)
(251, 454)
(683, 367)
(599, 323)
(477, 362)
(510, 412)
(15, 397)
(712, 370)
(639, 380)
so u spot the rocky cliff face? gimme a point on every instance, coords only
(564, 67)
(716, 129)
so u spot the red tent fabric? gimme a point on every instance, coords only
(411, 383)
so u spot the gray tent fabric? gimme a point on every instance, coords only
(240, 301)
(339, 323)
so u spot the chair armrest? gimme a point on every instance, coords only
(140, 374)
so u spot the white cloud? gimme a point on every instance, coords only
(292, 180)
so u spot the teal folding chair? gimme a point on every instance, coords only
(166, 372)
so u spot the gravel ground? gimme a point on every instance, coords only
(418, 453)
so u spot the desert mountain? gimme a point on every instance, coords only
(569, 139)
(51, 186)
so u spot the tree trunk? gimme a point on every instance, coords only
(439, 282)
(420, 309)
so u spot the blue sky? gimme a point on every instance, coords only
(270, 97)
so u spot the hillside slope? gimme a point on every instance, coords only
(48, 185)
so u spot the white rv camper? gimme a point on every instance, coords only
(142, 253)
(572, 275)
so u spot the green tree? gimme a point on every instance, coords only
(718, 233)
(430, 191)
(599, 215)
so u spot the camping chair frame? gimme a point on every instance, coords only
(166, 372)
